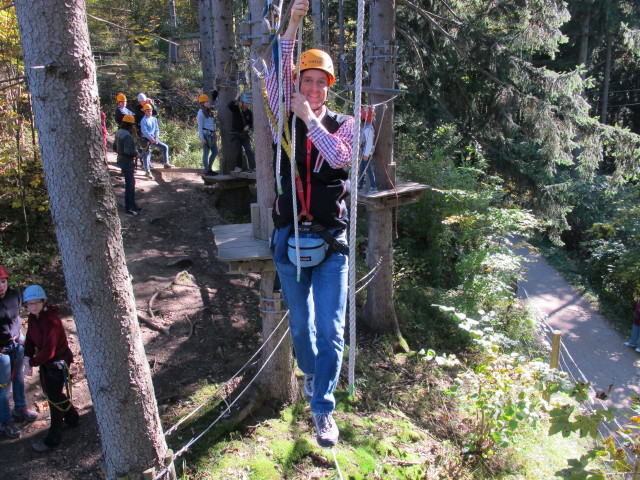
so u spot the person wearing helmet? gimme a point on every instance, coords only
(11, 357)
(323, 145)
(121, 109)
(139, 109)
(47, 348)
(241, 123)
(125, 147)
(150, 137)
(367, 136)
(207, 132)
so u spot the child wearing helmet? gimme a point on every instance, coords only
(47, 348)
(121, 109)
(207, 132)
(11, 357)
(151, 138)
(317, 300)
(241, 123)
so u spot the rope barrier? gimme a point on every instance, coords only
(355, 162)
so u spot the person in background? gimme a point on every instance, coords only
(207, 133)
(125, 147)
(367, 145)
(151, 138)
(241, 123)
(139, 109)
(121, 109)
(47, 348)
(11, 355)
(317, 299)
(103, 125)
(635, 329)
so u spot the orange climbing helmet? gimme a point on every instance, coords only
(128, 118)
(203, 98)
(146, 107)
(319, 60)
(121, 97)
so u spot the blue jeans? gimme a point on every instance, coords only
(635, 333)
(19, 400)
(317, 305)
(209, 156)
(370, 175)
(163, 147)
(128, 168)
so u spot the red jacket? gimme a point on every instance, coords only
(46, 339)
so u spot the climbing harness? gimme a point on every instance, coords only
(11, 351)
(68, 383)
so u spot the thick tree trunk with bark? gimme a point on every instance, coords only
(379, 312)
(205, 21)
(606, 80)
(225, 68)
(173, 48)
(61, 78)
(583, 52)
(278, 382)
(316, 17)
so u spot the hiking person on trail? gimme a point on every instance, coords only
(367, 144)
(207, 133)
(125, 147)
(150, 137)
(317, 302)
(241, 123)
(635, 329)
(11, 355)
(46, 347)
(121, 109)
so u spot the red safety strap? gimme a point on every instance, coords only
(305, 203)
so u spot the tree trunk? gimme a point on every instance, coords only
(341, 71)
(225, 68)
(583, 52)
(62, 80)
(261, 132)
(606, 80)
(173, 49)
(278, 381)
(205, 21)
(316, 17)
(379, 314)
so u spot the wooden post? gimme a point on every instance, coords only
(168, 462)
(555, 356)
(149, 474)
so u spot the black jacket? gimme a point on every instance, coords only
(240, 118)
(10, 322)
(329, 186)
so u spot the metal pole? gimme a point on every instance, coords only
(555, 356)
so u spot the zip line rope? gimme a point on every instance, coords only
(355, 160)
(293, 160)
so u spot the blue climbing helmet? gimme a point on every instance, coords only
(246, 98)
(34, 292)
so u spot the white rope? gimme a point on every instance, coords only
(355, 157)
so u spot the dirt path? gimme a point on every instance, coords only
(212, 323)
(597, 349)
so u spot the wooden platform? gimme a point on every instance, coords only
(405, 193)
(241, 250)
(176, 170)
(234, 180)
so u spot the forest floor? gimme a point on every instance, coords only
(209, 324)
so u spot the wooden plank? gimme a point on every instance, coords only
(404, 193)
(176, 170)
(247, 175)
(237, 245)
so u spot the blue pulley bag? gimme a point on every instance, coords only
(313, 250)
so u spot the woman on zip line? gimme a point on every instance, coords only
(323, 144)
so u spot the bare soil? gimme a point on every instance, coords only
(210, 319)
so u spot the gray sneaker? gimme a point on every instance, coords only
(25, 414)
(327, 432)
(10, 429)
(40, 447)
(308, 386)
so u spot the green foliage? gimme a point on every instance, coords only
(184, 143)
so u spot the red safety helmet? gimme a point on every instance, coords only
(3, 272)
(366, 113)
